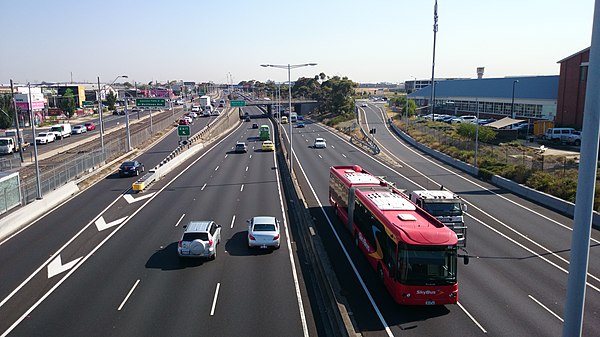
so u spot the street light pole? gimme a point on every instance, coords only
(289, 69)
(512, 104)
(100, 117)
(435, 29)
(35, 152)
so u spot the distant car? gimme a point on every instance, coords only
(464, 119)
(364, 105)
(90, 126)
(183, 121)
(254, 126)
(263, 232)
(78, 129)
(268, 145)
(300, 124)
(284, 120)
(200, 239)
(320, 143)
(247, 119)
(241, 147)
(131, 168)
(192, 114)
(195, 108)
(300, 117)
(221, 105)
(45, 138)
(119, 112)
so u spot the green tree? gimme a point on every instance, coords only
(469, 131)
(127, 85)
(337, 95)
(6, 112)
(111, 99)
(67, 103)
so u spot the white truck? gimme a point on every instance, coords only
(447, 207)
(9, 142)
(61, 130)
(205, 102)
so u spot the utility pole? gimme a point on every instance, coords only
(19, 137)
(435, 29)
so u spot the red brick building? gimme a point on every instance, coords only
(571, 90)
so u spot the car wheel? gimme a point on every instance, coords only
(577, 142)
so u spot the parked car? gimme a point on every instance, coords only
(90, 126)
(241, 147)
(557, 134)
(319, 143)
(268, 145)
(573, 138)
(464, 119)
(263, 232)
(78, 129)
(45, 137)
(131, 168)
(200, 239)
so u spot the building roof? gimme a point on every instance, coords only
(531, 87)
(504, 122)
(577, 53)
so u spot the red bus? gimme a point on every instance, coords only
(413, 253)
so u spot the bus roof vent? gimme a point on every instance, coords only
(387, 201)
(361, 178)
(406, 217)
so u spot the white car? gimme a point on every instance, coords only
(263, 232)
(45, 137)
(195, 108)
(464, 119)
(200, 239)
(320, 143)
(78, 129)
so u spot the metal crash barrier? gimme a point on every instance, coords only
(145, 181)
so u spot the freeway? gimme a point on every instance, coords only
(118, 273)
(515, 282)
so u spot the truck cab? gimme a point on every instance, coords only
(447, 207)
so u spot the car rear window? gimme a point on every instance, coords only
(260, 227)
(195, 236)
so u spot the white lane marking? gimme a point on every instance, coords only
(216, 168)
(212, 310)
(56, 267)
(312, 231)
(320, 157)
(242, 188)
(471, 317)
(128, 294)
(251, 155)
(93, 251)
(130, 199)
(343, 155)
(547, 309)
(232, 221)
(227, 154)
(102, 225)
(246, 168)
(179, 221)
(333, 147)
(203, 186)
(360, 280)
(289, 246)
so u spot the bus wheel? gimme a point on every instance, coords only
(380, 272)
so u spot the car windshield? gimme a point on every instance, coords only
(3, 142)
(443, 208)
(195, 236)
(128, 164)
(264, 227)
(431, 265)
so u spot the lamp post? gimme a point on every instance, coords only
(289, 67)
(512, 104)
(435, 29)
(35, 152)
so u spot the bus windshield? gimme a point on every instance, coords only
(428, 265)
(443, 208)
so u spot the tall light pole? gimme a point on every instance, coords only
(435, 29)
(512, 103)
(289, 69)
(35, 152)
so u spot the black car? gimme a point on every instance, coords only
(247, 119)
(255, 126)
(131, 168)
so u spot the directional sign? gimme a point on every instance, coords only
(237, 103)
(151, 102)
(88, 103)
(56, 267)
(183, 130)
(102, 225)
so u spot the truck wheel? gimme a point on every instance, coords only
(577, 142)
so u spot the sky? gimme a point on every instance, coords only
(227, 41)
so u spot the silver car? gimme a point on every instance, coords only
(200, 239)
(263, 232)
(320, 143)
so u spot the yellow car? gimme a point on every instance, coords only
(268, 145)
(284, 120)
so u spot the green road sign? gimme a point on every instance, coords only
(183, 130)
(201, 93)
(237, 103)
(88, 103)
(151, 102)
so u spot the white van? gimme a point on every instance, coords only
(61, 130)
(556, 134)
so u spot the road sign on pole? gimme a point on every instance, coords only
(160, 102)
(237, 103)
(88, 103)
(183, 130)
